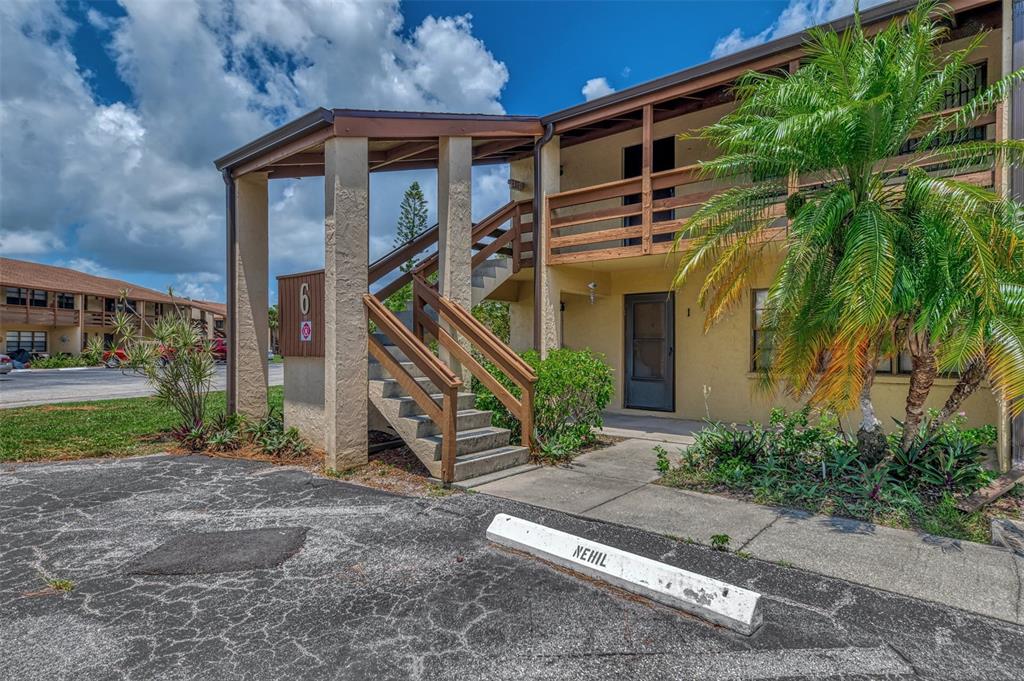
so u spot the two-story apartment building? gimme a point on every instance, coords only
(54, 310)
(583, 254)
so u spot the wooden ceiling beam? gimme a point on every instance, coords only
(496, 147)
(302, 159)
(402, 152)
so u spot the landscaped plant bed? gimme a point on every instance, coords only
(799, 464)
(599, 442)
(394, 470)
(121, 427)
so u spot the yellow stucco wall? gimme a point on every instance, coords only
(718, 360)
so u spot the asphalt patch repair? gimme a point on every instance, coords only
(198, 553)
(393, 587)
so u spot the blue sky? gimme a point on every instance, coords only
(113, 111)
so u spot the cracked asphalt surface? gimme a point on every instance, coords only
(391, 587)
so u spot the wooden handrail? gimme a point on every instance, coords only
(444, 415)
(439, 374)
(483, 339)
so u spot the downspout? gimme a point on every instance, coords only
(538, 238)
(229, 323)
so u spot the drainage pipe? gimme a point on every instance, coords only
(229, 323)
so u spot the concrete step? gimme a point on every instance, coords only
(469, 483)
(377, 372)
(407, 406)
(489, 461)
(469, 441)
(389, 387)
(467, 419)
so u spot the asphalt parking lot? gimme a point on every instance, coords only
(336, 581)
(27, 388)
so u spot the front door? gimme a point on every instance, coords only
(650, 345)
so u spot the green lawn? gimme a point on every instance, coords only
(101, 428)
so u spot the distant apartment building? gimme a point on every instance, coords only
(54, 310)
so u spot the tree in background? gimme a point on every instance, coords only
(885, 250)
(273, 322)
(412, 221)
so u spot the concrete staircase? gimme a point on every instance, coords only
(481, 448)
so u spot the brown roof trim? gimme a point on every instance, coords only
(320, 124)
(778, 47)
(314, 120)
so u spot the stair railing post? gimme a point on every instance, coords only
(526, 417)
(448, 435)
(517, 236)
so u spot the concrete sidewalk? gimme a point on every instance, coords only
(615, 485)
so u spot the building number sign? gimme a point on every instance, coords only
(305, 326)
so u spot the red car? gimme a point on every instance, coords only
(218, 348)
(114, 358)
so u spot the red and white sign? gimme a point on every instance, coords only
(306, 331)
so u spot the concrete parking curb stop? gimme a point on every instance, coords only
(724, 604)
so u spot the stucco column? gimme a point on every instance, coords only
(455, 227)
(251, 300)
(551, 294)
(346, 255)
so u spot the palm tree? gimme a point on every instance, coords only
(879, 253)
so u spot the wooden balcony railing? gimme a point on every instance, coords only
(98, 318)
(443, 378)
(38, 316)
(453, 318)
(591, 223)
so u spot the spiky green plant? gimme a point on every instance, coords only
(878, 252)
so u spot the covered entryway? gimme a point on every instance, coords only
(650, 349)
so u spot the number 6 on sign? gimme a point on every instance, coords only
(304, 298)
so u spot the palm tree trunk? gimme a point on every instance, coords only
(969, 381)
(871, 443)
(922, 378)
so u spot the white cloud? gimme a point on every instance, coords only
(131, 185)
(797, 16)
(85, 265)
(199, 286)
(597, 87)
(25, 243)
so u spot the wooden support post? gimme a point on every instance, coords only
(647, 217)
(517, 238)
(449, 434)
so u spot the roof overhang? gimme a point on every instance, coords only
(399, 140)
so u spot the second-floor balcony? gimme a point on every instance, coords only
(643, 215)
(38, 316)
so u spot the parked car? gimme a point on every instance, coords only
(218, 348)
(20, 358)
(6, 364)
(114, 358)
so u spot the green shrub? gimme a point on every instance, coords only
(93, 352)
(59, 362)
(573, 387)
(797, 461)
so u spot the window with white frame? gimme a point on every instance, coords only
(33, 341)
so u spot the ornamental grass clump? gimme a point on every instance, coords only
(176, 358)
